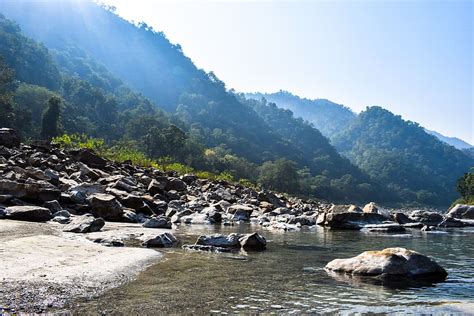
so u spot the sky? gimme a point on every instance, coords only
(414, 58)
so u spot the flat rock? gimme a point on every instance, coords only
(157, 222)
(28, 213)
(390, 262)
(84, 224)
(219, 240)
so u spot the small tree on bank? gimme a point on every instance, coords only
(50, 126)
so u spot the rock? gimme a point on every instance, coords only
(402, 218)
(110, 242)
(165, 240)
(62, 213)
(175, 206)
(129, 216)
(133, 201)
(452, 222)
(3, 213)
(61, 219)
(84, 224)
(384, 228)
(9, 138)
(33, 190)
(28, 213)
(253, 242)
(372, 207)
(89, 158)
(426, 228)
(176, 218)
(157, 222)
(282, 226)
(207, 248)
(176, 184)
(426, 217)
(348, 217)
(157, 186)
(219, 240)
(196, 218)
(189, 178)
(390, 262)
(271, 198)
(308, 220)
(53, 206)
(240, 212)
(105, 206)
(88, 188)
(214, 213)
(461, 211)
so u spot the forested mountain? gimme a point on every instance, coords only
(320, 158)
(413, 163)
(328, 117)
(212, 129)
(453, 141)
(92, 62)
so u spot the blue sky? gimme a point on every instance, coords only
(414, 58)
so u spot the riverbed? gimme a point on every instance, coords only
(289, 277)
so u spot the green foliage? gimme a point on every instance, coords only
(280, 175)
(7, 75)
(78, 141)
(50, 125)
(465, 187)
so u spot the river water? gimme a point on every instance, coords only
(289, 277)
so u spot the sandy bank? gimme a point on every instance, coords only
(43, 267)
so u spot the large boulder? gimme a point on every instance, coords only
(240, 212)
(9, 138)
(253, 241)
(105, 206)
(372, 207)
(461, 211)
(390, 262)
(28, 213)
(176, 185)
(348, 217)
(219, 240)
(426, 217)
(84, 224)
(33, 190)
(165, 240)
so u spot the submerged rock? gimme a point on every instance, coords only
(390, 262)
(165, 240)
(219, 240)
(253, 241)
(157, 222)
(207, 248)
(384, 228)
(28, 213)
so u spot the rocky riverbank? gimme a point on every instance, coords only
(66, 214)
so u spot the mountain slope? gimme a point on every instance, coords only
(402, 155)
(328, 117)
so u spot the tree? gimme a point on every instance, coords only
(50, 126)
(280, 175)
(7, 76)
(465, 186)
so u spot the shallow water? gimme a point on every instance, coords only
(289, 277)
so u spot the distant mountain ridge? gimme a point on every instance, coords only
(453, 141)
(325, 115)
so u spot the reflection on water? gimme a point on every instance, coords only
(290, 278)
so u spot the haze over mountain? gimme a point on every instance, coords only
(95, 61)
(453, 141)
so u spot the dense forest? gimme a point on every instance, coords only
(149, 97)
(401, 154)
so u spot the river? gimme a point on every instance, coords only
(289, 277)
